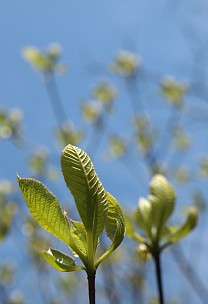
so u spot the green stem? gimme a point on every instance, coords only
(91, 287)
(156, 257)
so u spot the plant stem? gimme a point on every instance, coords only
(156, 257)
(91, 287)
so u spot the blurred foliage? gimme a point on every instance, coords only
(182, 140)
(144, 137)
(125, 64)
(91, 111)
(182, 175)
(152, 215)
(10, 124)
(36, 240)
(173, 91)
(117, 147)
(7, 206)
(203, 167)
(39, 165)
(48, 61)
(69, 134)
(105, 93)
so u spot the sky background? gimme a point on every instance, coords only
(166, 36)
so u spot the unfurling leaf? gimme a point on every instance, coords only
(162, 198)
(97, 210)
(60, 261)
(186, 227)
(144, 215)
(115, 226)
(45, 208)
(79, 236)
(86, 188)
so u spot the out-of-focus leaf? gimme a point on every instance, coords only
(203, 167)
(182, 175)
(68, 134)
(91, 111)
(186, 227)
(117, 147)
(199, 201)
(130, 231)
(105, 93)
(7, 213)
(125, 64)
(45, 61)
(144, 215)
(10, 123)
(162, 198)
(173, 91)
(182, 140)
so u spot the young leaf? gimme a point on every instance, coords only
(45, 208)
(144, 215)
(85, 186)
(78, 233)
(115, 226)
(162, 198)
(130, 231)
(186, 227)
(60, 261)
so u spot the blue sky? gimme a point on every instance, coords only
(91, 33)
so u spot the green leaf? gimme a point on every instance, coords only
(45, 208)
(115, 226)
(186, 227)
(130, 231)
(88, 192)
(60, 261)
(144, 215)
(162, 198)
(78, 233)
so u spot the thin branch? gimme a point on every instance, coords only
(55, 99)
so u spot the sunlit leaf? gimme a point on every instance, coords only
(79, 235)
(60, 261)
(45, 208)
(86, 188)
(115, 226)
(162, 197)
